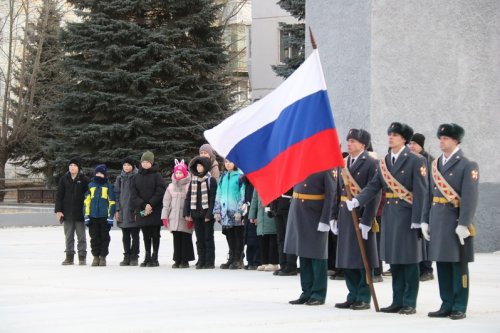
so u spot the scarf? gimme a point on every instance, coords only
(204, 191)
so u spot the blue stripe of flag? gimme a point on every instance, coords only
(300, 120)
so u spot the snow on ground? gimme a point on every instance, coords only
(37, 294)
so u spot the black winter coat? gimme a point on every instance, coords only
(148, 187)
(199, 212)
(70, 196)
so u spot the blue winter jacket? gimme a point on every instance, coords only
(99, 200)
(230, 196)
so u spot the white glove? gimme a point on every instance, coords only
(351, 204)
(323, 227)
(415, 226)
(425, 231)
(364, 230)
(334, 227)
(462, 232)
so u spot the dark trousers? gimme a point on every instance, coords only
(268, 249)
(130, 239)
(359, 290)
(453, 295)
(235, 242)
(183, 247)
(313, 278)
(378, 271)
(287, 261)
(405, 282)
(252, 242)
(70, 228)
(99, 236)
(205, 244)
(151, 236)
(332, 252)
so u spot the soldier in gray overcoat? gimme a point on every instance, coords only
(454, 186)
(360, 169)
(307, 234)
(403, 176)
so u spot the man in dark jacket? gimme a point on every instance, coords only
(69, 210)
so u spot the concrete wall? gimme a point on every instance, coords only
(265, 46)
(421, 62)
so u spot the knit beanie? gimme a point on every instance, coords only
(102, 169)
(418, 139)
(181, 166)
(76, 161)
(148, 156)
(207, 148)
(129, 160)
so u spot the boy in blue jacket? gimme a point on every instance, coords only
(98, 211)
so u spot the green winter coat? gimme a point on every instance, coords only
(265, 224)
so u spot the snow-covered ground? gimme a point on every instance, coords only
(37, 294)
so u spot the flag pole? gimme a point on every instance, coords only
(361, 243)
(313, 41)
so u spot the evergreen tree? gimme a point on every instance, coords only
(35, 93)
(294, 38)
(145, 75)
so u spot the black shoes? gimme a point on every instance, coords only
(250, 268)
(184, 265)
(360, 306)
(176, 265)
(313, 301)
(456, 315)
(391, 308)
(82, 260)
(287, 272)
(441, 313)
(125, 261)
(102, 261)
(134, 261)
(298, 301)
(426, 277)
(345, 305)
(407, 310)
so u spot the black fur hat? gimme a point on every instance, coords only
(451, 130)
(402, 129)
(360, 135)
(419, 139)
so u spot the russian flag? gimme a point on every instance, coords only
(283, 138)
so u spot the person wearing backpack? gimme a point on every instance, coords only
(198, 208)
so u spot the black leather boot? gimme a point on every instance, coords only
(147, 260)
(69, 259)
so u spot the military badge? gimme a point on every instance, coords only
(475, 175)
(423, 171)
(335, 174)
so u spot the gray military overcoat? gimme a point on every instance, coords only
(302, 237)
(463, 175)
(399, 244)
(348, 252)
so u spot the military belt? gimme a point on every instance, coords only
(344, 198)
(391, 195)
(443, 200)
(303, 196)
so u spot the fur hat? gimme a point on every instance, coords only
(360, 135)
(402, 129)
(148, 156)
(208, 148)
(451, 130)
(181, 166)
(76, 161)
(129, 160)
(205, 161)
(102, 169)
(418, 139)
